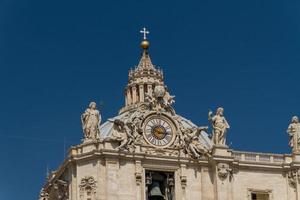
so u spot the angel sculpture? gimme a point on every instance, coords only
(169, 99)
(192, 144)
(123, 134)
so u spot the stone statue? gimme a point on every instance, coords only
(169, 99)
(161, 100)
(219, 125)
(123, 134)
(294, 133)
(91, 120)
(192, 145)
(151, 100)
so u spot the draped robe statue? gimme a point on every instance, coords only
(91, 120)
(294, 133)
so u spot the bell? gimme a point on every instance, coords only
(155, 193)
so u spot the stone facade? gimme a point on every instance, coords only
(150, 152)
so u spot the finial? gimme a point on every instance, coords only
(145, 44)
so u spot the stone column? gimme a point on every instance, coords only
(183, 180)
(134, 95)
(150, 89)
(142, 97)
(128, 96)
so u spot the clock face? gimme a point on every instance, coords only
(159, 131)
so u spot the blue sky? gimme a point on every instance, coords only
(57, 56)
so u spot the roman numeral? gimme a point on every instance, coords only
(159, 142)
(151, 123)
(150, 138)
(164, 141)
(168, 137)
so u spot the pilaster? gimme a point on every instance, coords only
(73, 193)
(139, 176)
(183, 180)
(150, 90)
(223, 173)
(112, 183)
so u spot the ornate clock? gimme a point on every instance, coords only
(159, 131)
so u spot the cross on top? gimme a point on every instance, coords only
(144, 32)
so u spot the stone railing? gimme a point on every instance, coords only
(260, 157)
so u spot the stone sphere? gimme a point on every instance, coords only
(159, 91)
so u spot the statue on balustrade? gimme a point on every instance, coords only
(91, 120)
(219, 125)
(294, 133)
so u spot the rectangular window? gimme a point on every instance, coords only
(259, 196)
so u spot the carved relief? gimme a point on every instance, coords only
(87, 188)
(224, 171)
(129, 132)
(191, 144)
(123, 133)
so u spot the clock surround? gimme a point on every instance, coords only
(159, 130)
